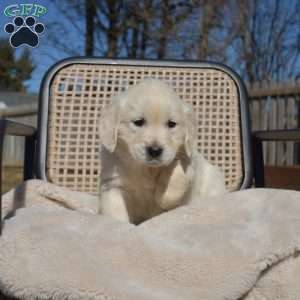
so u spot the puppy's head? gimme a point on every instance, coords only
(151, 121)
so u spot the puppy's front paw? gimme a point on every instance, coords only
(112, 204)
(172, 186)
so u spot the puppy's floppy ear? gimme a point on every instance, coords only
(109, 125)
(190, 130)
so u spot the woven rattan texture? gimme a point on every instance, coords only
(80, 91)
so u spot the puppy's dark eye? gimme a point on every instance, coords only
(139, 122)
(171, 124)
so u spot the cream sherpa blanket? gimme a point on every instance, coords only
(244, 245)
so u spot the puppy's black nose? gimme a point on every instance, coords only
(154, 151)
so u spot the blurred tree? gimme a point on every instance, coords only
(111, 24)
(97, 27)
(207, 33)
(69, 31)
(259, 39)
(136, 36)
(214, 34)
(90, 13)
(267, 44)
(114, 28)
(171, 17)
(14, 71)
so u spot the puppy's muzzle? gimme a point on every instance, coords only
(154, 151)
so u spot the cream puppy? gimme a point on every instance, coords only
(149, 160)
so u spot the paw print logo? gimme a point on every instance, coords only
(24, 32)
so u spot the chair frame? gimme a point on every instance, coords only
(44, 104)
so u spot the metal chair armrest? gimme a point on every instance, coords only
(8, 127)
(268, 135)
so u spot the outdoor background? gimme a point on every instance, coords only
(259, 39)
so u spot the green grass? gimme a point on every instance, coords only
(11, 176)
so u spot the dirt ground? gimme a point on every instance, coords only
(11, 176)
(283, 177)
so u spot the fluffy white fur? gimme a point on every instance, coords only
(135, 186)
(243, 245)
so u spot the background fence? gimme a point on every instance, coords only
(277, 106)
(272, 106)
